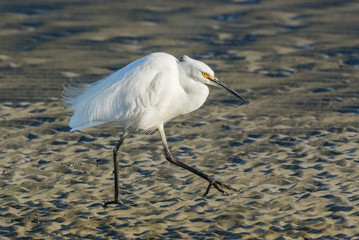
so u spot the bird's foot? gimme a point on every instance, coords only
(115, 202)
(218, 185)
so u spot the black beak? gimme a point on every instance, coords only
(216, 81)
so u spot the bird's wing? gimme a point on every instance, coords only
(131, 95)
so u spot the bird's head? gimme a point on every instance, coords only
(201, 72)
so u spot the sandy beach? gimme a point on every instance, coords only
(293, 150)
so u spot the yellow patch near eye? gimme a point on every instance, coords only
(208, 76)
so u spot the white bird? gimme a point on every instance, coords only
(144, 95)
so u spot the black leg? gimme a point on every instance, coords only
(212, 182)
(115, 170)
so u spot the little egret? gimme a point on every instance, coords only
(143, 96)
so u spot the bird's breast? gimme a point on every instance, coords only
(195, 96)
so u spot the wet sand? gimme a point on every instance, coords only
(293, 151)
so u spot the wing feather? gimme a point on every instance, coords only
(134, 95)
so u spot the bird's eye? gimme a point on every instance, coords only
(205, 75)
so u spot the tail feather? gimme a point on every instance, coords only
(71, 93)
(87, 125)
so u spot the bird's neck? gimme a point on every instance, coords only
(195, 92)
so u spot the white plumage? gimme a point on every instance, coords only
(144, 94)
